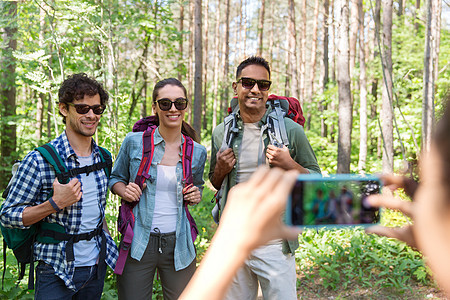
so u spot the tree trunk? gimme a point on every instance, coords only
(345, 103)
(333, 42)
(313, 51)
(353, 34)
(41, 98)
(386, 107)
(261, 27)
(401, 8)
(180, 43)
(292, 50)
(8, 91)
(326, 24)
(216, 65)
(205, 63)
(303, 52)
(287, 61)
(416, 12)
(362, 93)
(271, 27)
(191, 56)
(226, 51)
(431, 63)
(198, 68)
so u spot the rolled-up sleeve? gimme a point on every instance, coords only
(121, 169)
(199, 166)
(24, 192)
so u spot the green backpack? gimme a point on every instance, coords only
(21, 241)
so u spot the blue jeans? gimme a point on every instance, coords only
(88, 286)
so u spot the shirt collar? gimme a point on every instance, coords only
(65, 149)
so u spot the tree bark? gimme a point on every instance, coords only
(226, 51)
(333, 42)
(198, 68)
(303, 52)
(41, 98)
(416, 12)
(362, 93)
(271, 39)
(205, 63)
(386, 107)
(180, 43)
(292, 55)
(313, 51)
(8, 91)
(431, 63)
(353, 34)
(345, 103)
(191, 56)
(261, 27)
(326, 24)
(216, 65)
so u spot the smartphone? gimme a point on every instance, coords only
(330, 202)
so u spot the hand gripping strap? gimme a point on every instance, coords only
(147, 156)
(126, 216)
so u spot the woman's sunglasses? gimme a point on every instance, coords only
(249, 83)
(166, 104)
(83, 109)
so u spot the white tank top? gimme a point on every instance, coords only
(166, 209)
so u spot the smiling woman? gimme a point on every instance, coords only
(162, 237)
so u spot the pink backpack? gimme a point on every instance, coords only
(126, 218)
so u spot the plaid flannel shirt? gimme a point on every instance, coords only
(32, 185)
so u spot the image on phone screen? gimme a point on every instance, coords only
(333, 202)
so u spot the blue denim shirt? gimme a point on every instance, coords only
(125, 170)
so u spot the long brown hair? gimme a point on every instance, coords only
(186, 129)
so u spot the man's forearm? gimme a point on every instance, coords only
(33, 214)
(299, 168)
(217, 179)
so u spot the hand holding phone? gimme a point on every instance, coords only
(336, 201)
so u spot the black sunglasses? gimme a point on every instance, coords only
(166, 104)
(249, 83)
(83, 109)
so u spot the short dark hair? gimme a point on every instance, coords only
(76, 86)
(168, 81)
(252, 60)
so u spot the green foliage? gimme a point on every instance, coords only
(345, 257)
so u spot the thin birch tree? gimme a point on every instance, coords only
(431, 63)
(198, 67)
(345, 102)
(386, 94)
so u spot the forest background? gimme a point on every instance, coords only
(372, 77)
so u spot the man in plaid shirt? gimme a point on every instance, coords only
(79, 206)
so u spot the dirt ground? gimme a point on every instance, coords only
(355, 293)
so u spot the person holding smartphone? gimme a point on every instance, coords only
(272, 265)
(430, 208)
(162, 237)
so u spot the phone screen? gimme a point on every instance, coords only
(335, 201)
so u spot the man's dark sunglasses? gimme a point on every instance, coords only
(249, 83)
(83, 109)
(166, 104)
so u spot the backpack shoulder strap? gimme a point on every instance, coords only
(147, 156)
(275, 121)
(188, 149)
(229, 131)
(48, 151)
(105, 156)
